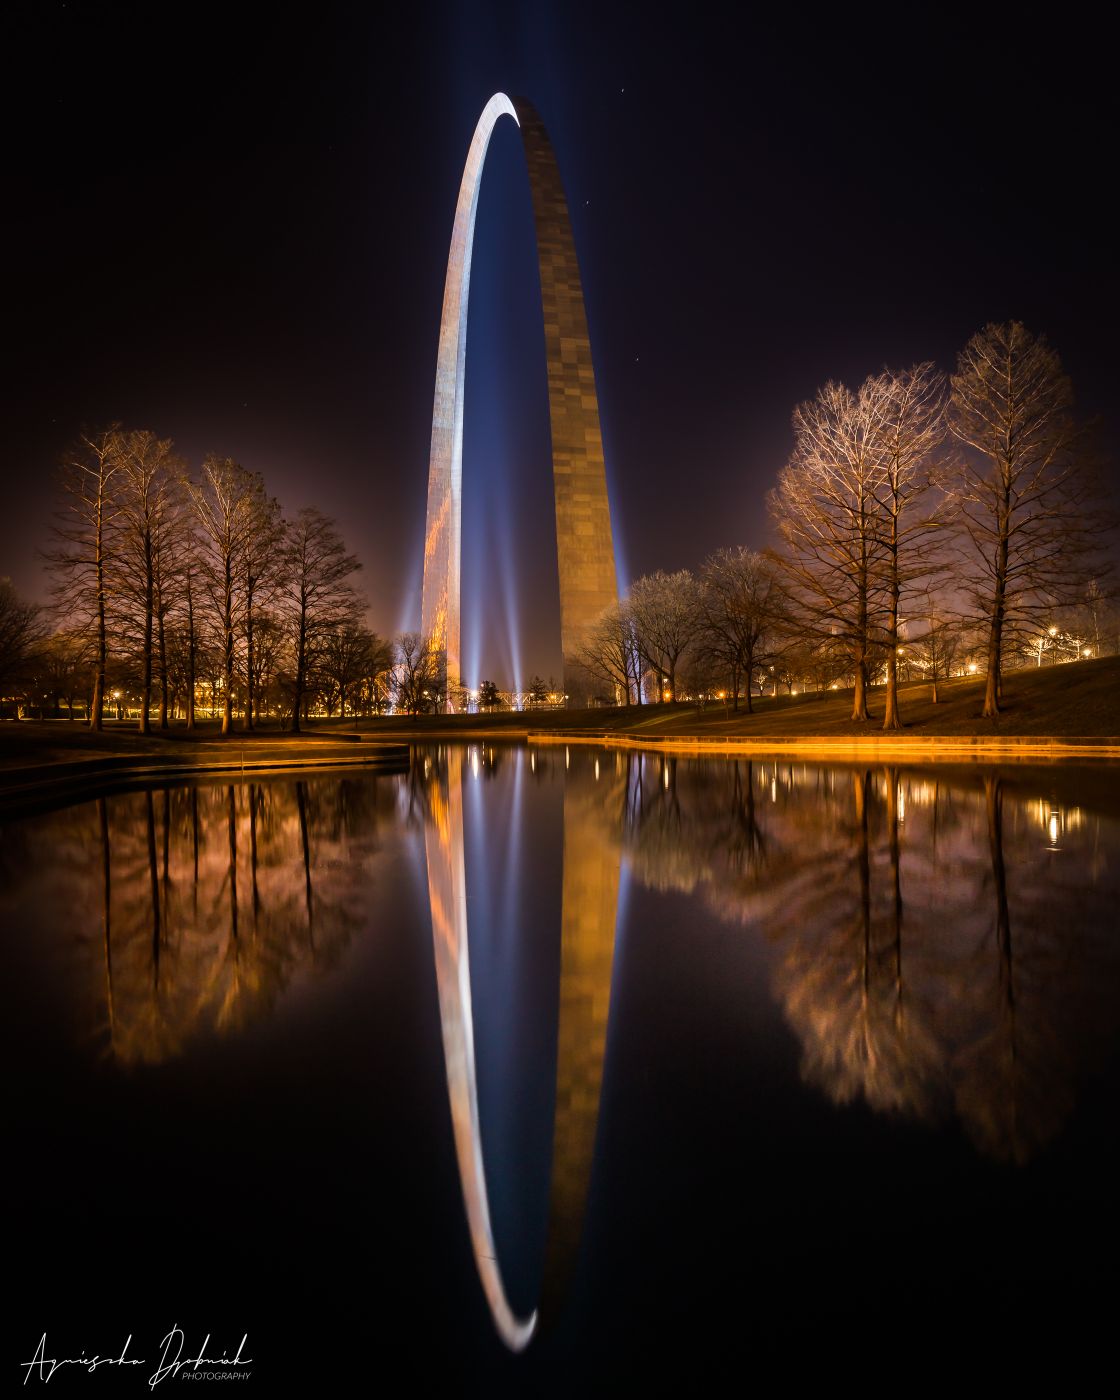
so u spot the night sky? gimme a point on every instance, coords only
(231, 226)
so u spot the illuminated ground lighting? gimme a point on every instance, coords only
(584, 542)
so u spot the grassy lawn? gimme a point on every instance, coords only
(1077, 700)
(1080, 699)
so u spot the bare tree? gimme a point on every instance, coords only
(740, 609)
(175, 551)
(269, 652)
(907, 411)
(377, 682)
(664, 610)
(936, 648)
(317, 596)
(419, 673)
(64, 666)
(825, 510)
(347, 659)
(1097, 618)
(81, 555)
(608, 651)
(148, 472)
(1028, 499)
(22, 631)
(191, 565)
(225, 502)
(263, 566)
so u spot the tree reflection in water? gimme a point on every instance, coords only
(925, 953)
(216, 899)
(939, 938)
(1016, 1070)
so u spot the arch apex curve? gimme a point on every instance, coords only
(584, 540)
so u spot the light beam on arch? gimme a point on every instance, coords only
(584, 542)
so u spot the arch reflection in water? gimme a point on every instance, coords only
(589, 906)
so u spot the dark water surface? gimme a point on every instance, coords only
(770, 1066)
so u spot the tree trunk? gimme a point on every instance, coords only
(993, 690)
(96, 701)
(301, 661)
(891, 718)
(146, 689)
(859, 696)
(191, 653)
(95, 721)
(249, 653)
(162, 671)
(992, 686)
(227, 620)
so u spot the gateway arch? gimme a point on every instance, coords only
(584, 544)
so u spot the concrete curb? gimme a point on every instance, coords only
(947, 748)
(33, 786)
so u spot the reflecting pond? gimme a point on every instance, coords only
(536, 1059)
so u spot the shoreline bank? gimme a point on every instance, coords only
(932, 748)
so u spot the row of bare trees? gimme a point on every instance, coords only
(173, 579)
(917, 515)
(681, 631)
(983, 490)
(917, 510)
